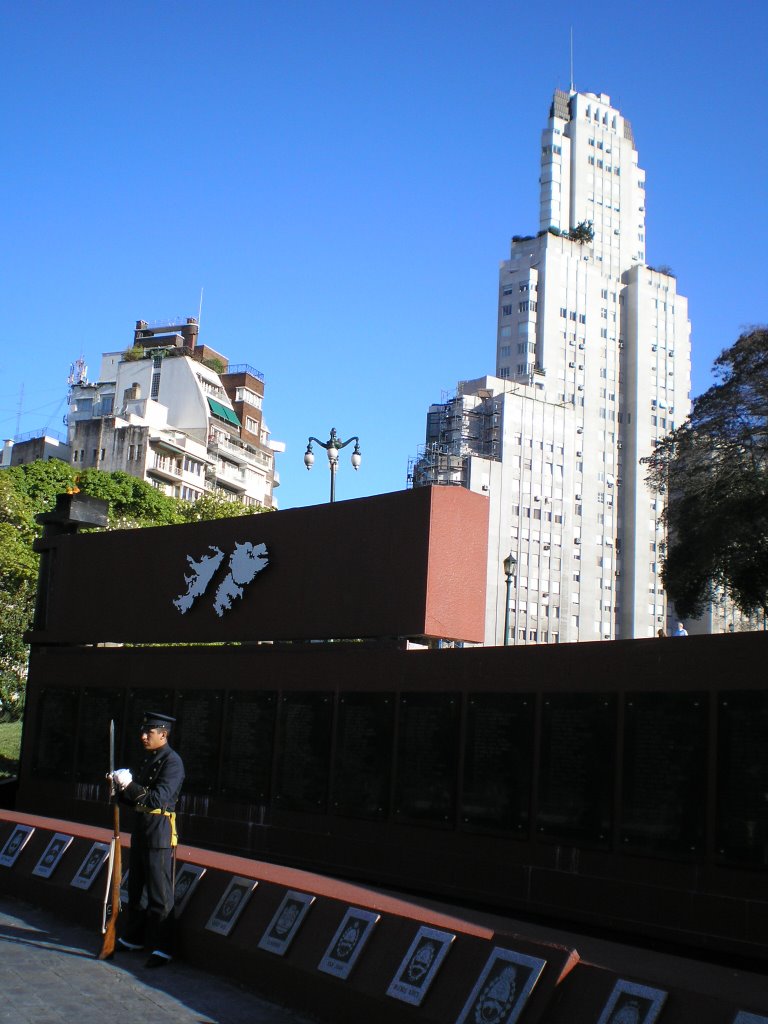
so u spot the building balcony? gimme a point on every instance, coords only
(234, 479)
(238, 453)
(165, 471)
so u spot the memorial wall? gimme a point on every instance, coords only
(621, 784)
(456, 772)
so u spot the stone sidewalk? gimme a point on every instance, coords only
(49, 975)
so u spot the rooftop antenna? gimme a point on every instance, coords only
(200, 308)
(18, 411)
(572, 89)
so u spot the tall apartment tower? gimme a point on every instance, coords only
(592, 365)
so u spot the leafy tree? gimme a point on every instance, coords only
(131, 501)
(583, 232)
(42, 480)
(715, 469)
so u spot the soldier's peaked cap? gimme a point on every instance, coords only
(157, 720)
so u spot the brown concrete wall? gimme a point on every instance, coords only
(411, 563)
(617, 784)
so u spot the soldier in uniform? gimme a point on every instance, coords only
(152, 792)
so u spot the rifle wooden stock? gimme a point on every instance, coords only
(115, 874)
(113, 889)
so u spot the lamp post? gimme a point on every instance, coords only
(510, 569)
(333, 446)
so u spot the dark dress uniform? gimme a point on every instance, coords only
(153, 794)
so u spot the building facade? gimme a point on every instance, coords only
(174, 413)
(592, 365)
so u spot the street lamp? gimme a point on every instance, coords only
(333, 446)
(510, 569)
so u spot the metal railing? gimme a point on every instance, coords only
(40, 432)
(245, 368)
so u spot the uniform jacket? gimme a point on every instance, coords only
(156, 786)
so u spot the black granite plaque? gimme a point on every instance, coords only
(742, 777)
(663, 803)
(303, 751)
(498, 756)
(249, 735)
(54, 754)
(427, 758)
(198, 737)
(97, 709)
(577, 767)
(362, 764)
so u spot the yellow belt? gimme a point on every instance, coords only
(171, 815)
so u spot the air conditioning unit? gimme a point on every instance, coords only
(579, 430)
(619, 445)
(572, 365)
(577, 540)
(578, 497)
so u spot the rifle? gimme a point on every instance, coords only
(114, 875)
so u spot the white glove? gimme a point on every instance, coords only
(122, 778)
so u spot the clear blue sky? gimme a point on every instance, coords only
(342, 179)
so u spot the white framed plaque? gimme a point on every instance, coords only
(15, 843)
(54, 851)
(92, 864)
(630, 1003)
(286, 922)
(347, 944)
(503, 987)
(187, 877)
(231, 905)
(420, 965)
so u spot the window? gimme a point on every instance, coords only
(506, 310)
(248, 396)
(563, 312)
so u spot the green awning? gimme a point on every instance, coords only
(223, 412)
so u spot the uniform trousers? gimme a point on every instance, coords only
(151, 871)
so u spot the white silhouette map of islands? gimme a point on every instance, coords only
(245, 563)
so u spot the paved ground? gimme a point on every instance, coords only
(48, 975)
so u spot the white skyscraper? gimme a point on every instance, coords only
(592, 365)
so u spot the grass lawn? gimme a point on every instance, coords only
(10, 742)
